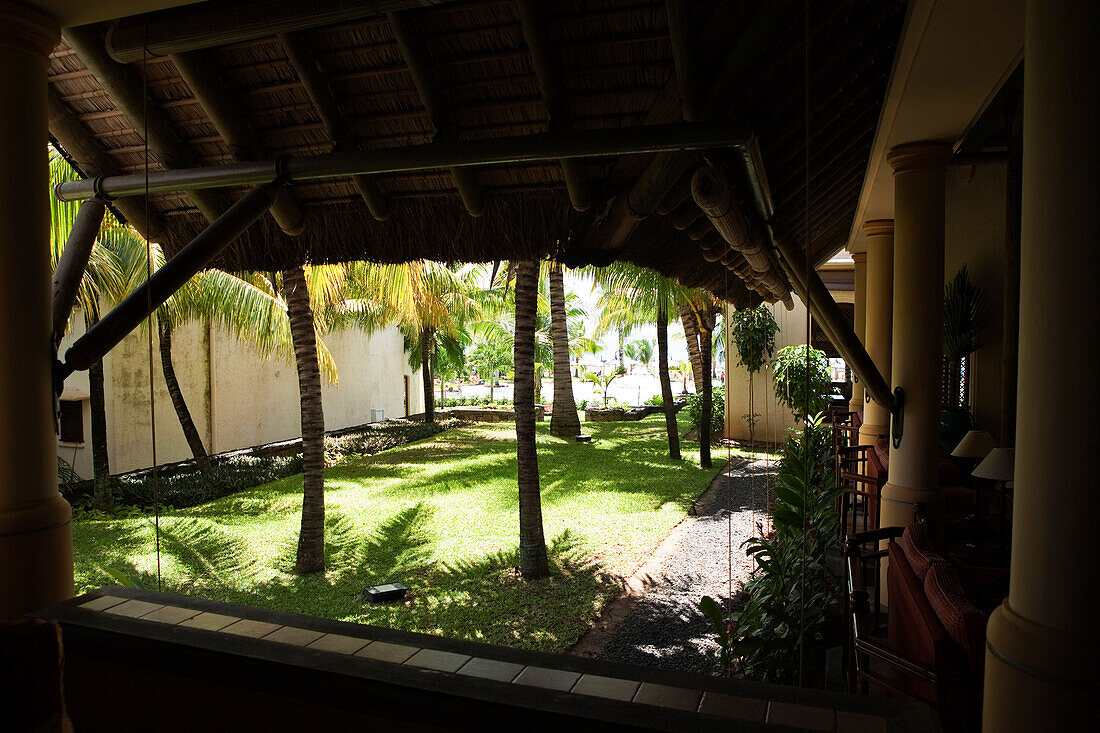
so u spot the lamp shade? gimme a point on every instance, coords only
(998, 465)
(975, 444)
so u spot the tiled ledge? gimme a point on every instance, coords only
(648, 698)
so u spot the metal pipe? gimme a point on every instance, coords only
(520, 149)
(74, 261)
(174, 274)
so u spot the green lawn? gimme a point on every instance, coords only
(439, 515)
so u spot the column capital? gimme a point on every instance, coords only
(919, 156)
(860, 258)
(879, 228)
(27, 29)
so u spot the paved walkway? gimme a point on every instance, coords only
(664, 627)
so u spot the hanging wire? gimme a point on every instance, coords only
(806, 392)
(149, 309)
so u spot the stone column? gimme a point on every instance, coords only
(1041, 644)
(36, 557)
(860, 258)
(879, 319)
(917, 352)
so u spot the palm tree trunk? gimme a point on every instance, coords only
(708, 400)
(311, 540)
(102, 497)
(190, 432)
(691, 334)
(564, 420)
(666, 385)
(532, 542)
(427, 338)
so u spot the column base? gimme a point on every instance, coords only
(898, 507)
(36, 556)
(869, 433)
(1036, 677)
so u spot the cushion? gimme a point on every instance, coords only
(917, 546)
(913, 627)
(960, 618)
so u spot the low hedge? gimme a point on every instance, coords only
(181, 487)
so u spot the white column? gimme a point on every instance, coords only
(860, 320)
(917, 345)
(36, 558)
(879, 319)
(1044, 640)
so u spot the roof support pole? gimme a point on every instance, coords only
(225, 112)
(317, 88)
(534, 33)
(74, 260)
(173, 275)
(419, 66)
(821, 304)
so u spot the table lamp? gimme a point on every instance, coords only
(999, 465)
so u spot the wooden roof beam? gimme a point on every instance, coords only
(91, 161)
(339, 130)
(191, 28)
(225, 113)
(549, 76)
(663, 172)
(124, 86)
(416, 58)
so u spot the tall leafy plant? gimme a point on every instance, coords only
(753, 332)
(802, 379)
(965, 315)
(782, 626)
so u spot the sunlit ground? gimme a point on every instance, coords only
(440, 516)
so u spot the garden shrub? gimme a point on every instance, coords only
(694, 409)
(801, 379)
(228, 475)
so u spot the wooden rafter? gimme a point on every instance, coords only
(336, 124)
(123, 85)
(224, 112)
(549, 76)
(419, 67)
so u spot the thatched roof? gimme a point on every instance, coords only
(612, 65)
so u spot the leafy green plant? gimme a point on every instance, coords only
(753, 331)
(783, 622)
(965, 314)
(694, 410)
(603, 381)
(802, 379)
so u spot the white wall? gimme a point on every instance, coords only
(235, 398)
(774, 419)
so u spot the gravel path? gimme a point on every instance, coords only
(665, 628)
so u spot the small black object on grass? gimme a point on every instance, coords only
(583, 438)
(386, 592)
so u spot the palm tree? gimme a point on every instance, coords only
(429, 302)
(564, 420)
(532, 542)
(489, 357)
(634, 295)
(641, 351)
(701, 309)
(691, 334)
(311, 539)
